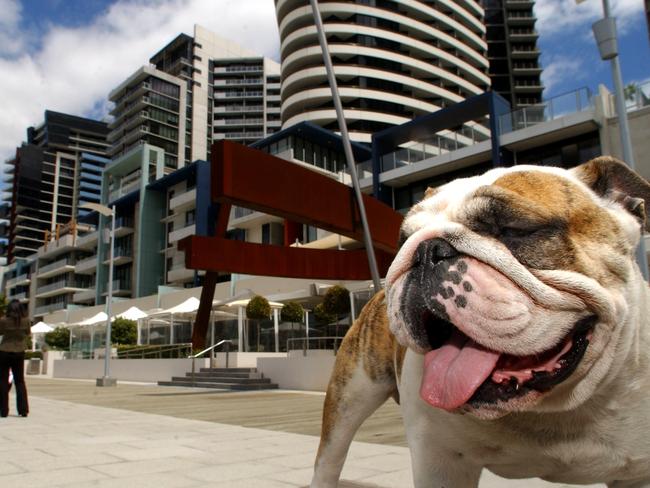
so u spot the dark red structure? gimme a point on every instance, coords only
(254, 179)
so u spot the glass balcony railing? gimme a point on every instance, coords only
(553, 108)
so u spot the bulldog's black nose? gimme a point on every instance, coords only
(433, 251)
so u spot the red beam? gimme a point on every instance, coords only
(254, 179)
(225, 255)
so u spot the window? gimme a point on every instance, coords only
(190, 217)
(266, 233)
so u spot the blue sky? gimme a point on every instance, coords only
(67, 55)
(569, 54)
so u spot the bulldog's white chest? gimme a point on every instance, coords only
(442, 442)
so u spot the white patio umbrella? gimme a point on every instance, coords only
(39, 328)
(133, 313)
(95, 319)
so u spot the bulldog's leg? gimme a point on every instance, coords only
(363, 379)
(435, 438)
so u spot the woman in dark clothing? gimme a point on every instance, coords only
(14, 329)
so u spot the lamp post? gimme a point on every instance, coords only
(106, 380)
(606, 39)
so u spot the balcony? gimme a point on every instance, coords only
(86, 266)
(123, 226)
(21, 297)
(88, 241)
(120, 288)
(121, 255)
(56, 268)
(183, 200)
(52, 307)
(179, 234)
(57, 288)
(84, 296)
(179, 273)
(23, 279)
(54, 247)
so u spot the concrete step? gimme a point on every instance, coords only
(228, 370)
(221, 379)
(221, 386)
(224, 375)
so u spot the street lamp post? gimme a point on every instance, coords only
(106, 380)
(606, 39)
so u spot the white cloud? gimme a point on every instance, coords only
(559, 16)
(560, 69)
(11, 41)
(75, 68)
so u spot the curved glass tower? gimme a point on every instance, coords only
(394, 60)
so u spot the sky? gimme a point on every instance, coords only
(67, 55)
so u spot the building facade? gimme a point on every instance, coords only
(512, 51)
(394, 60)
(49, 178)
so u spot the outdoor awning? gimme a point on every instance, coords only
(95, 319)
(133, 313)
(188, 306)
(41, 327)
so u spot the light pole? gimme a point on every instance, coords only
(106, 380)
(606, 39)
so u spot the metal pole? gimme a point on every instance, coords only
(626, 141)
(349, 156)
(109, 299)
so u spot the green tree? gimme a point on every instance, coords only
(336, 302)
(58, 339)
(292, 312)
(258, 308)
(322, 316)
(124, 332)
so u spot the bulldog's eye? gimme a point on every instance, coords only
(516, 232)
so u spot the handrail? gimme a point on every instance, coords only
(305, 340)
(152, 350)
(210, 349)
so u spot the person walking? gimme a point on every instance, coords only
(14, 329)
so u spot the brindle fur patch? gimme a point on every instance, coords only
(558, 221)
(369, 343)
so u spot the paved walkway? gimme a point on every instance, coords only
(78, 445)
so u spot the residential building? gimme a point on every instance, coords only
(394, 61)
(51, 177)
(515, 70)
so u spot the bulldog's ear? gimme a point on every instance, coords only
(611, 178)
(430, 191)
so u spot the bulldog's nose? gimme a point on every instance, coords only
(433, 251)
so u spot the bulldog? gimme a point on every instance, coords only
(513, 331)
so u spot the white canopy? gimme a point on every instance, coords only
(41, 327)
(95, 319)
(133, 313)
(189, 305)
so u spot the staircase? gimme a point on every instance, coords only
(235, 379)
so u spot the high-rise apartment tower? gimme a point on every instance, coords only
(512, 51)
(394, 60)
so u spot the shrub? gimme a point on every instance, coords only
(322, 315)
(337, 300)
(258, 308)
(3, 305)
(291, 312)
(33, 355)
(59, 338)
(124, 331)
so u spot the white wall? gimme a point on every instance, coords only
(146, 370)
(299, 372)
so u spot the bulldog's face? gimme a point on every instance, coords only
(515, 285)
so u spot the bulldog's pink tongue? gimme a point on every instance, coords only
(453, 372)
